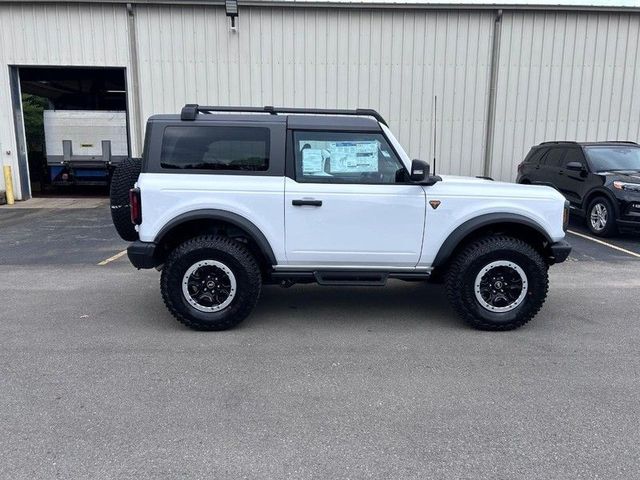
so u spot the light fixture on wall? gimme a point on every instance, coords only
(231, 9)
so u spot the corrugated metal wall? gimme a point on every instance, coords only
(565, 76)
(392, 60)
(561, 75)
(55, 34)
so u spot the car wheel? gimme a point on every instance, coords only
(497, 283)
(211, 283)
(601, 217)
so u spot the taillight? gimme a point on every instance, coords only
(520, 167)
(135, 206)
(565, 216)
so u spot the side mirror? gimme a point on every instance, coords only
(420, 171)
(575, 166)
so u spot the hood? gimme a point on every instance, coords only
(461, 179)
(463, 186)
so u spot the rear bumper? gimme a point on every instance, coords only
(142, 254)
(559, 251)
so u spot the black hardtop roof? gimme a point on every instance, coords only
(301, 118)
(296, 121)
(223, 117)
(191, 110)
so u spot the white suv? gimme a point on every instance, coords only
(227, 199)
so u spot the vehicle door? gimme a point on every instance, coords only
(532, 164)
(550, 166)
(572, 183)
(349, 202)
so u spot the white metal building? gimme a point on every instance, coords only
(506, 76)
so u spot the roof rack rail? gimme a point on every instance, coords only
(190, 111)
(556, 142)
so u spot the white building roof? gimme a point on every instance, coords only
(484, 3)
(514, 4)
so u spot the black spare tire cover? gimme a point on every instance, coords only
(124, 178)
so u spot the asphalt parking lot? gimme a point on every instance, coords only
(98, 381)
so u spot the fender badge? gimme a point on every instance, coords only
(434, 203)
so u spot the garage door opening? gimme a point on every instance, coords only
(76, 127)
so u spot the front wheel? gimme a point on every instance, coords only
(601, 217)
(497, 283)
(211, 283)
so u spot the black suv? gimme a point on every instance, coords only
(601, 180)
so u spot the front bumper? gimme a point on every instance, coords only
(629, 214)
(559, 251)
(143, 254)
(627, 209)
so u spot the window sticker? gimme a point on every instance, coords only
(312, 161)
(347, 157)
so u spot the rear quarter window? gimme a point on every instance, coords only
(535, 155)
(215, 148)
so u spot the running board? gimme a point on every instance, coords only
(346, 277)
(354, 279)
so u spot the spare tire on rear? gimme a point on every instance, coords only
(124, 178)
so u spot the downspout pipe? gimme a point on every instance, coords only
(135, 100)
(493, 86)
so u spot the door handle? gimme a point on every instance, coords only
(311, 203)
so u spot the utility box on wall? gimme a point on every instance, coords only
(83, 146)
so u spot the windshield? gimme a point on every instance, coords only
(613, 158)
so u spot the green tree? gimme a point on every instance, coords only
(32, 108)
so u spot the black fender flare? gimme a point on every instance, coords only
(603, 192)
(224, 216)
(468, 227)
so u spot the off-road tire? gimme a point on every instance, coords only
(123, 179)
(231, 253)
(461, 275)
(610, 227)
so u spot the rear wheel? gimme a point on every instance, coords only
(211, 283)
(497, 283)
(601, 217)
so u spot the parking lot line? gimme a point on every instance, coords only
(601, 242)
(117, 256)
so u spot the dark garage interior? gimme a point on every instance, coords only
(65, 88)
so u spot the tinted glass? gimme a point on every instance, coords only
(535, 156)
(554, 157)
(339, 157)
(215, 148)
(573, 155)
(610, 158)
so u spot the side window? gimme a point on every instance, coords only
(574, 155)
(215, 148)
(341, 157)
(554, 158)
(535, 155)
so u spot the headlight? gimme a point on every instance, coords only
(565, 216)
(631, 187)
